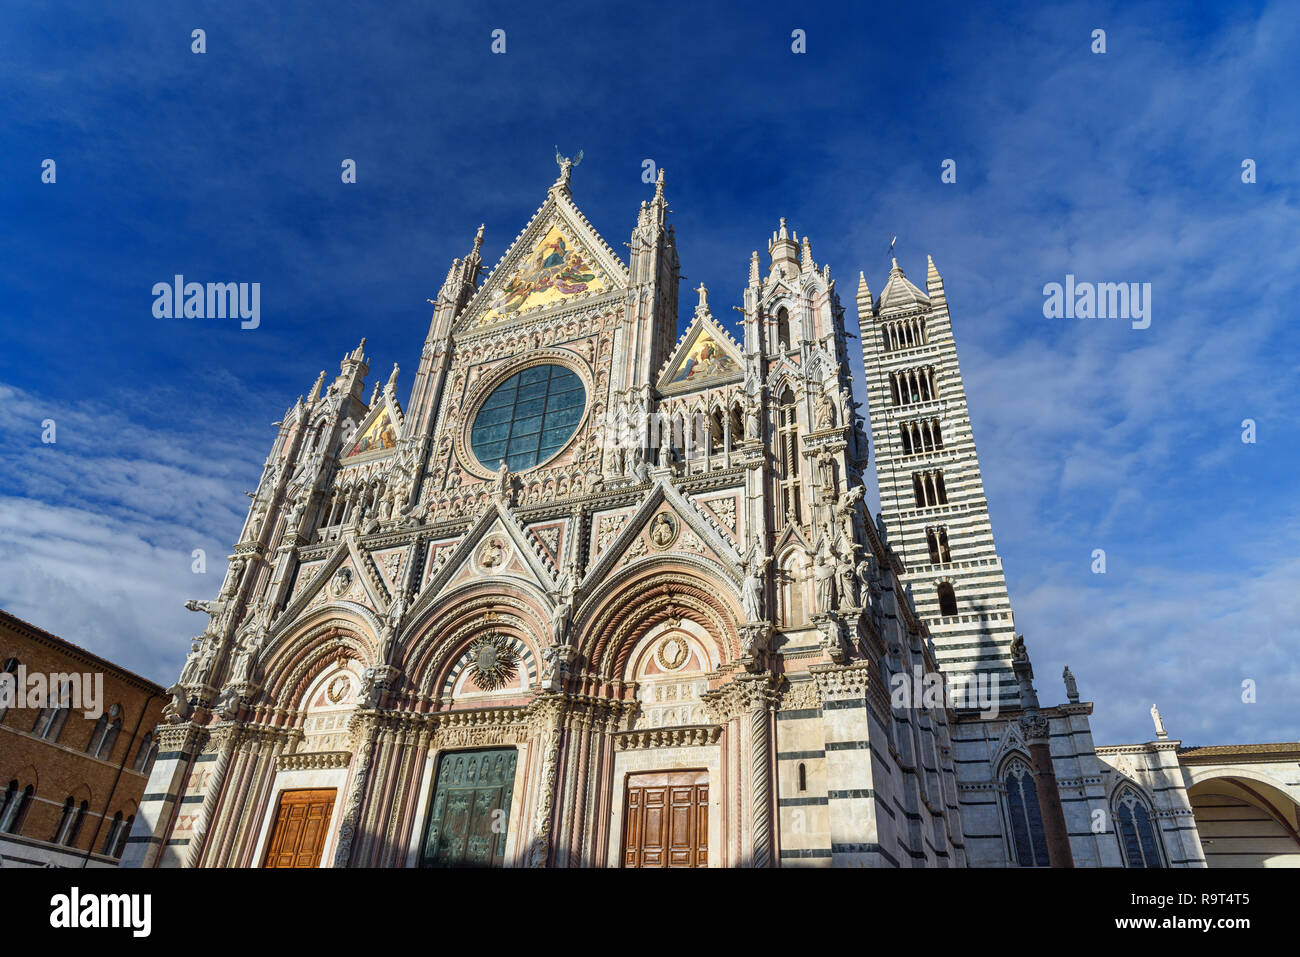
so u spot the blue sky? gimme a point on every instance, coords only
(1117, 167)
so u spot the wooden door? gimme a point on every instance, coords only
(666, 820)
(301, 824)
(471, 809)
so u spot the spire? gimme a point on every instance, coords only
(659, 187)
(359, 353)
(753, 266)
(784, 251)
(314, 393)
(933, 281)
(805, 255)
(900, 292)
(391, 387)
(864, 295)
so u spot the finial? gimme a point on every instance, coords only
(478, 237)
(392, 380)
(659, 184)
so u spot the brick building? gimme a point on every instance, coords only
(73, 764)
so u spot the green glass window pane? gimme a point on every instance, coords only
(503, 397)
(529, 426)
(494, 416)
(491, 433)
(564, 417)
(535, 392)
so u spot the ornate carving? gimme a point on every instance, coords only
(681, 737)
(672, 652)
(664, 530)
(313, 761)
(493, 663)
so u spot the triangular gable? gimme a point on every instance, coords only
(471, 559)
(706, 354)
(630, 538)
(365, 588)
(377, 434)
(558, 259)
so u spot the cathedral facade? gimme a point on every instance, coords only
(600, 595)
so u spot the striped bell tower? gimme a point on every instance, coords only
(931, 492)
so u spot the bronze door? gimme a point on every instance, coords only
(666, 820)
(470, 810)
(301, 823)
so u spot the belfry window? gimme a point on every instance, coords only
(928, 489)
(947, 599)
(1136, 831)
(936, 540)
(1028, 841)
(783, 330)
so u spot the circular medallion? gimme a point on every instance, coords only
(493, 553)
(672, 653)
(341, 582)
(664, 530)
(338, 688)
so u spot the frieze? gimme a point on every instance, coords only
(667, 737)
(313, 761)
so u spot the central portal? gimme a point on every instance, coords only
(666, 819)
(470, 810)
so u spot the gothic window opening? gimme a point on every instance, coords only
(947, 599)
(15, 807)
(105, 733)
(110, 841)
(10, 667)
(1028, 840)
(50, 721)
(783, 341)
(928, 489)
(70, 822)
(803, 777)
(936, 540)
(788, 434)
(1136, 831)
(717, 432)
(145, 754)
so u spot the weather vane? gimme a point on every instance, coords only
(566, 166)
